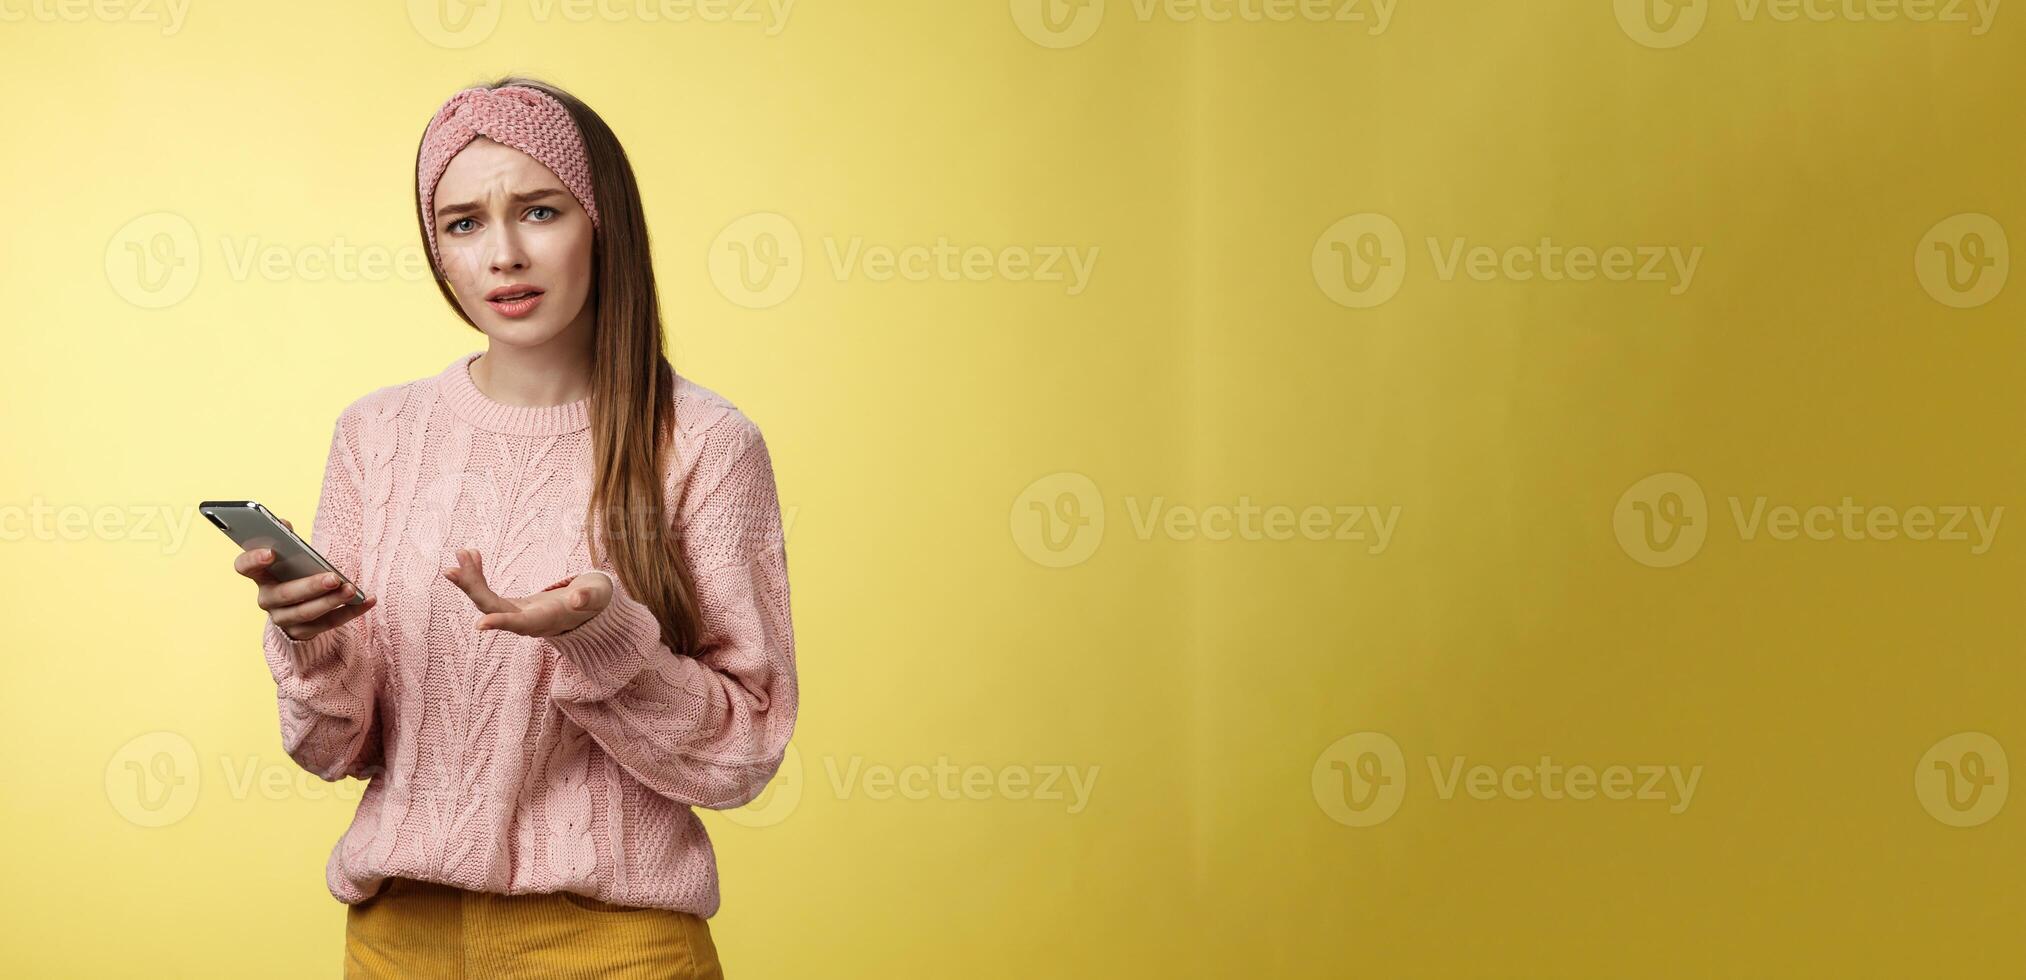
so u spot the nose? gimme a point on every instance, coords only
(505, 253)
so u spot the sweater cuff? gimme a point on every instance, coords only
(303, 655)
(607, 651)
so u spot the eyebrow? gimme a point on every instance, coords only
(524, 197)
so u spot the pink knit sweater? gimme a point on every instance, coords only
(503, 763)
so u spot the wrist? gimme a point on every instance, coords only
(607, 649)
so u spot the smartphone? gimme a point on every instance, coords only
(254, 526)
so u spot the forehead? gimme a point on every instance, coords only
(484, 165)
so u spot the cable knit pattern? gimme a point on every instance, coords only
(498, 762)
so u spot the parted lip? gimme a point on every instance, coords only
(511, 289)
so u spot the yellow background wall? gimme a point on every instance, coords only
(1268, 719)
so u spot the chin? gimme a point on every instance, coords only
(519, 333)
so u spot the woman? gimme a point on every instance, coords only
(578, 625)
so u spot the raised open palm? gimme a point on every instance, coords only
(557, 609)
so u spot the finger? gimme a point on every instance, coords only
(589, 592)
(346, 614)
(312, 612)
(520, 622)
(274, 595)
(308, 609)
(254, 563)
(285, 523)
(469, 575)
(330, 621)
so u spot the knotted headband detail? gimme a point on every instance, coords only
(526, 119)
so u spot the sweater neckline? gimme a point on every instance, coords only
(474, 407)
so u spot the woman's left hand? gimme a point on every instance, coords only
(560, 608)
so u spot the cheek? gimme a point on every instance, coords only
(577, 257)
(572, 254)
(461, 265)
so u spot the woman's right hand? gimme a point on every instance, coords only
(303, 607)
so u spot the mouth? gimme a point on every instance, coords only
(515, 300)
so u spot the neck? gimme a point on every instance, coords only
(555, 373)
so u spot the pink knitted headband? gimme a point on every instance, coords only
(526, 119)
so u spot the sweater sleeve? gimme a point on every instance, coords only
(326, 687)
(710, 730)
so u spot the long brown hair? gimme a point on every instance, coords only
(632, 385)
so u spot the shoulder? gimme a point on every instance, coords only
(706, 421)
(712, 438)
(382, 402)
(370, 412)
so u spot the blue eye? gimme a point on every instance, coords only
(454, 224)
(541, 207)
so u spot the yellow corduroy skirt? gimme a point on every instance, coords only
(421, 930)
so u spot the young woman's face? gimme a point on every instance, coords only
(506, 225)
